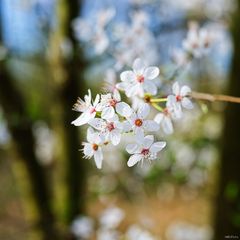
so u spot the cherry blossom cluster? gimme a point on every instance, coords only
(109, 117)
(135, 106)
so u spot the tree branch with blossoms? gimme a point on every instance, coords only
(109, 117)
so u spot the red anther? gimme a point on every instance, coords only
(95, 147)
(110, 126)
(138, 122)
(93, 110)
(112, 102)
(145, 151)
(178, 98)
(140, 78)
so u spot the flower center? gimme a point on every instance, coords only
(112, 102)
(138, 122)
(178, 98)
(166, 112)
(95, 147)
(110, 126)
(145, 151)
(93, 110)
(147, 99)
(194, 45)
(140, 78)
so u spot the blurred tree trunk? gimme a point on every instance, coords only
(69, 70)
(72, 88)
(20, 126)
(227, 218)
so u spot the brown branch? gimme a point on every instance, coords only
(214, 97)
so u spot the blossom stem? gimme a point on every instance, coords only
(214, 97)
(157, 100)
(157, 107)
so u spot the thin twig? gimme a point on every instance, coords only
(214, 97)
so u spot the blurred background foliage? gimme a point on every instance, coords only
(48, 59)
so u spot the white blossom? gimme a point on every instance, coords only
(87, 108)
(111, 129)
(198, 41)
(164, 119)
(144, 148)
(179, 99)
(139, 122)
(139, 80)
(111, 102)
(93, 148)
(94, 32)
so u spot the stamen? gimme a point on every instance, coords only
(112, 102)
(145, 151)
(93, 110)
(138, 122)
(178, 98)
(95, 147)
(110, 126)
(140, 78)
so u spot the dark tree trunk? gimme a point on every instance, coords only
(227, 218)
(72, 88)
(20, 126)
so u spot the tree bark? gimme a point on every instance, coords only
(20, 126)
(227, 217)
(70, 86)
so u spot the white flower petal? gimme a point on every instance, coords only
(134, 159)
(151, 72)
(82, 119)
(115, 137)
(127, 76)
(151, 125)
(122, 85)
(143, 111)
(98, 157)
(132, 148)
(157, 147)
(96, 101)
(138, 66)
(158, 118)
(126, 126)
(185, 90)
(176, 88)
(167, 125)
(90, 135)
(150, 87)
(97, 123)
(107, 112)
(148, 141)
(177, 110)
(186, 103)
(123, 109)
(171, 101)
(116, 95)
(88, 150)
(101, 42)
(139, 136)
(88, 97)
(133, 90)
